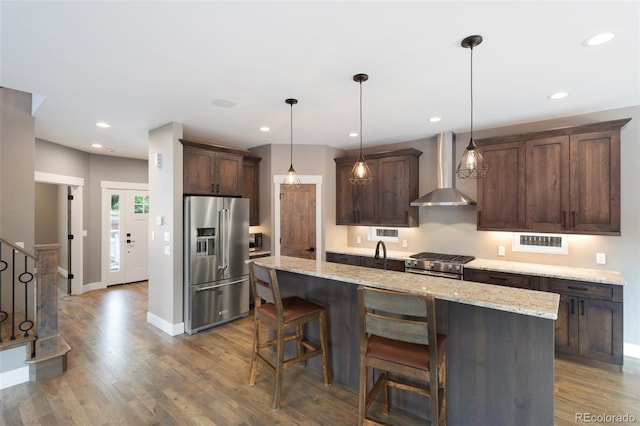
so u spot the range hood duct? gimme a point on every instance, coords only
(445, 194)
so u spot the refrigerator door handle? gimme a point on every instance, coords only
(222, 240)
(222, 285)
(224, 216)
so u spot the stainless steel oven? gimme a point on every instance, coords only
(437, 265)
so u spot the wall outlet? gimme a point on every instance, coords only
(501, 251)
(358, 239)
(405, 244)
(601, 258)
(167, 250)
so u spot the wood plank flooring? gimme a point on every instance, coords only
(124, 371)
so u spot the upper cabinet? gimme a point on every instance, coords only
(251, 187)
(563, 180)
(385, 201)
(210, 170)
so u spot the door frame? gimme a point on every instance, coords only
(105, 186)
(77, 258)
(307, 179)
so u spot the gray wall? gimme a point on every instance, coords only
(93, 168)
(46, 213)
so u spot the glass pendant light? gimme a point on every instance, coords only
(360, 174)
(291, 180)
(472, 165)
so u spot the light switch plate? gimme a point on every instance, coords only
(501, 251)
(167, 236)
(601, 258)
(167, 250)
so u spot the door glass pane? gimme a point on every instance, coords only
(114, 231)
(140, 204)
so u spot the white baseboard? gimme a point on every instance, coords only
(167, 327)
(631, 350)
(14, 377)
(93, 286)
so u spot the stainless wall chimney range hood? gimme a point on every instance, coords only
(445, 194)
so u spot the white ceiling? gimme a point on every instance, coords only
(139, 65)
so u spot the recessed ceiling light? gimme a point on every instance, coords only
(558, 95)
(435, 119)
(598, 39)
(264, 129)
(96, 145)
(103, 124)
(353, 135)
(223, 103)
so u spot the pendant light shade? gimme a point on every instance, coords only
(472, 165)
(291, 180)
(360, 174)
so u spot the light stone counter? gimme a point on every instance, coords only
(564, 272)
(514, 300)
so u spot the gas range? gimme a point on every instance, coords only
(437, 264)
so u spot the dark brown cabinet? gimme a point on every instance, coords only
(207, 171)
(501, 278)
(384, 202)
(563, 180)
(589, 320)
(251, 187)
(369, 262)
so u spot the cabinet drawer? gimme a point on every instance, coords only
(584, 289)
(502, 278)
(346, 259)
(392, 264)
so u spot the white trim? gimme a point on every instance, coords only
(108, 184)
(166, 326)
(14, 377)
(94, 286)
(631, 350)
(57, 179)
(307, 179)
(77, 244)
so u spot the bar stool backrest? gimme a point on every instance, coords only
(265, 285)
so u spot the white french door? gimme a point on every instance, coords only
(125, 235)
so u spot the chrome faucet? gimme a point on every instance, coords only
(384, 252)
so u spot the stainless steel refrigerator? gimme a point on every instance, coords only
(216, 275)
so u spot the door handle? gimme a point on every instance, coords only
(311, 249)
(131, 241)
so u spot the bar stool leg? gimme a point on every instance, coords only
(362, 391)
(322, 324)
(279, 369)
(254, 354)
(300, 345)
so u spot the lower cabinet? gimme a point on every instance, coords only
(589, 320)
(369, 262)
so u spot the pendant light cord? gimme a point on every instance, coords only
(291, 147)
(471, 93)
(361, 157)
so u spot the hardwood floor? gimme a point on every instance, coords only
(124, 371)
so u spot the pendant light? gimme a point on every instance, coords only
(360, 174)
(472, 165)
(291, 180)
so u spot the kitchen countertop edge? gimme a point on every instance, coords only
(514, 300)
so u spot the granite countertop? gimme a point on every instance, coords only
(259, 253)
(552, 271)
(370, 252)
(516, 300)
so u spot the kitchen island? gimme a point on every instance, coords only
(500, 345)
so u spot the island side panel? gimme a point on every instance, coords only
(500, 367)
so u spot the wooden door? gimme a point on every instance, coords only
(566, 326)
(601, 330)
(251, 188)
(595, 182)
(396, 190)
(298, 221)
(501, 194)
(228, 174)
(197, 174)
(547, 184)
(368, 199)
(346, 213)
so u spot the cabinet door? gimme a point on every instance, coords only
(397, 191)
(601, 330)
(198, 167)
(501, 278)
(346, 259)
(595, 182)
(367, 198)
(567, 326)
(346, 213)
(547, 184)
(501, 194)
(251, 187)
(228, 174)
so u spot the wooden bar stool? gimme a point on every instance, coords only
(398, 335)
(282, 315)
